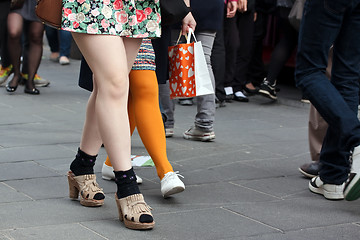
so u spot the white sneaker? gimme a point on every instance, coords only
(329, 191)
(107, 173)
(63, 60)
(171, 184)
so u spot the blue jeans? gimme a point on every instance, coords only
(65, 43)
(326, 23)
(59, 40)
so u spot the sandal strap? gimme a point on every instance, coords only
(134, 206)
(88, 185)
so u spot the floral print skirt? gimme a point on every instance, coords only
(126, 18)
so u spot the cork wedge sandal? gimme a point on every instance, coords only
(130, 210)
(87, 187)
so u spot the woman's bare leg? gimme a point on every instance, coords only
(110, 58)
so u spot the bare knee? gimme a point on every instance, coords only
(115, 87)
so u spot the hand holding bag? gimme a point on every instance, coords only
(296, 13)
(188, 73)
(49, 12)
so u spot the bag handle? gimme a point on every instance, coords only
(187, 37)
(190, 33)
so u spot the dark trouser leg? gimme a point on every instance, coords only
(337, 100)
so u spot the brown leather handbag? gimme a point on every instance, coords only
(49, 12)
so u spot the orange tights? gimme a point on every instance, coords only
(144, 113)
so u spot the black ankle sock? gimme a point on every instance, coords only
(126, 183)
(83, 164)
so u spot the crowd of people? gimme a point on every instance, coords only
(22, 47)
(127, 83)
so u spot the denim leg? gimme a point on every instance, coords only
(205, 116)
(65, 43)
(325, 23)
(53, 38)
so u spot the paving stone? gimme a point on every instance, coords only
(343, 231)
(34, 134)
(52, 212)
(300, 213)
(23, 170)
(42, 188)
(281, 186)
(283, 166)
(201, 224)
(9, 194)
(58, 231)
(220, 193)
(36, 152)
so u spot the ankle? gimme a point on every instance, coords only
(126, 183)
(83, 163)
(163, 174)
(250, 86)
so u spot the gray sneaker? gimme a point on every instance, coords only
(38, 81)
(169, 132)
(186, 101)
(197, 134)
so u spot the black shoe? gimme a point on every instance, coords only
(310, 170)
(229, 98)
(220, 103)
(12, 88)
(33, 91)
(251, 91)
(267, 90)
(240, 97)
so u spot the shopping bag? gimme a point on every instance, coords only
(188, 72)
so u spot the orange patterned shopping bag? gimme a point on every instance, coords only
(188, 72)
